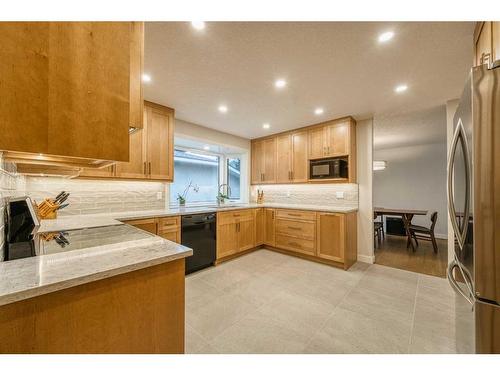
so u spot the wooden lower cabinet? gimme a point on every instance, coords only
(269, 226)
(337, 237)
(166, 227)
(259, 226)
(136, 312)
(296, 231)
(235, 232)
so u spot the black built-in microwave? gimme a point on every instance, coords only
(323, 169)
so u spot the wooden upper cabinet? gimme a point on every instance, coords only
(283, 158)
(264, 161)
(160, 142)
(136, 71)
(269, 160)
(337, 139)
(316, 143)
(136, 167)
(67, 88)
(300, 165)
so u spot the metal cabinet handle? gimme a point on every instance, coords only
(458, 136)
(295, 215)
(294, 244)
(294, 228)
(144, 167)
(449, 274)
(149, 168)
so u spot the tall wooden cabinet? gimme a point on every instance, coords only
(330, 140)
(151, 149)
(69, 90)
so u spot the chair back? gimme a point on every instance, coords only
(434, 218)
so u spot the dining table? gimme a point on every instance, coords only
(406, 215)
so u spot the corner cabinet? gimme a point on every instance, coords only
(337, 237)
(167, 227)
(60, 79)
(284, 158)
(151, 149)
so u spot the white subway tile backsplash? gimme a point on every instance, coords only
(309, 194)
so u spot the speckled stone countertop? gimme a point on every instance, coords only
(89, 221)
(30, 277)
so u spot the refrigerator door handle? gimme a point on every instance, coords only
(459, 138)
(449, 274)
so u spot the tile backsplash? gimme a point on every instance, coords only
(9, 184)
(99, 196)
(309, 194)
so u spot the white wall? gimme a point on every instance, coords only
(415, 178)
(364, 145)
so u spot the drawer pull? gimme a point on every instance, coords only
(294, 244)
(291, 214)
(294, 228)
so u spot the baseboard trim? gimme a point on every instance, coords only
(366, 258)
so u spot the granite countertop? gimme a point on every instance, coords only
(97, 220)
(30, 277)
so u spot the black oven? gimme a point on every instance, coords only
(328, 169)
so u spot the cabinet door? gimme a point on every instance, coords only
(269, 162)
(316, 143)
(160, 139)
(259, 226)
(331, 239)
(283, 158)
(246, 234)
(149, 225)
(257, 162)
(136, 70)
(338, 139)
(299, 157)
(136, 167)
(496, 40)
(269, 226)
(483, 45)
(227, 240)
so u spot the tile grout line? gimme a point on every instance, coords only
(413, 315)
(336, 307)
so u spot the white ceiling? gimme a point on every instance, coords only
(338, 66)
(410, 129)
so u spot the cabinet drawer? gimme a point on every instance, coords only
(295, 244)
(169, 223)
(234, 216)
(173, 236)
(296, 214)
(293, 228)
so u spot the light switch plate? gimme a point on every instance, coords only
(339, 194)
(159, 195)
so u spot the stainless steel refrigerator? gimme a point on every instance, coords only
(474, 210)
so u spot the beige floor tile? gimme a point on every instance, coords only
(350, 332)
(261, 333)
(199, 293)
(196, 344)
(224, 276)
(256, 291)
(211, 319)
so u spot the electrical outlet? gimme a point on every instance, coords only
(159, 195)
(288, 194)
(339, 194)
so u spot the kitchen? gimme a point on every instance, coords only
(270, 219)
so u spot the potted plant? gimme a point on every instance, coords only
(182, 197)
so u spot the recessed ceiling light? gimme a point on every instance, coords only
(206, 147)
(222, 108)
(385, 37)
(266, 125)
(198, 25)
(280, 83)
(146, 78)
(401, 88)
(318, 111)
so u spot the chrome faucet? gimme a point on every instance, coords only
(221, 197)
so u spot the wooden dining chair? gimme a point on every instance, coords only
(378, 230)
(423, 233)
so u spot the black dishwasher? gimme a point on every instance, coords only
(198, 233)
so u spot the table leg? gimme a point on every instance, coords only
(407, 221)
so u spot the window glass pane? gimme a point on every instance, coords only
(200, 169)
(234, 177)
